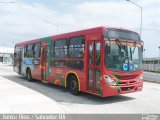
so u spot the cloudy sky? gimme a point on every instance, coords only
(29, 19)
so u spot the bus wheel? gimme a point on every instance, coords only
(29, 76)
(74, 87)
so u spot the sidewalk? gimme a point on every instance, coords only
(15, 98)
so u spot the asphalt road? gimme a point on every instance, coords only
(17, 95)
(151, 76)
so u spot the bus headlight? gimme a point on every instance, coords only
(109, 80)
(140, 79)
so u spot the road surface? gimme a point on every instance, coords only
(151, 76)
(17, 95)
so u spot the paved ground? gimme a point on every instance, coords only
(19, 96)
(151, 76)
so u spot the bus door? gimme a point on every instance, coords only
(45, 62)
(94, 66)
(20, 60)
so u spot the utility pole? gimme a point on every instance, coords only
(140, 31)
(159, 52)
(159, 59)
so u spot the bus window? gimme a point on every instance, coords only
(37, 50)
(76, 64)
(16, 54)
(98, 57)
(76, 47)
(60, 48)
(29, 51)
(90, 54)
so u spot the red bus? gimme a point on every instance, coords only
(104, 61)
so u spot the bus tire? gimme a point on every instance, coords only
(74, 86)
(29, 75)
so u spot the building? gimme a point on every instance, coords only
(151, 64)
(6, 54)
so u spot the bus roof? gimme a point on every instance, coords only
(70, 34)
(28, 42)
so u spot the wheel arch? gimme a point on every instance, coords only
(28, 68)
(70, 73)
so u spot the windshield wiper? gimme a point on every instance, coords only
(120, 45)
(132, 51)
(134, 47)
(118, 42)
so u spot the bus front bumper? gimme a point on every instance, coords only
(117, 90)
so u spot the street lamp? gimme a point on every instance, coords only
(52, 24)
(141, 14)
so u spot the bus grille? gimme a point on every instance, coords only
(127, 79)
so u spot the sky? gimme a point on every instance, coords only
(24, 20)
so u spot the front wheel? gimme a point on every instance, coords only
(29, 75)
(74, 86)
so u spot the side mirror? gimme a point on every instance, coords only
(143, 48)
(15, 54)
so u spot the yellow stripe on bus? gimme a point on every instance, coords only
(76, 76)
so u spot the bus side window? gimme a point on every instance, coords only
(16, 52)
(16, 55)
(76, 47)
(37, 50)
(29, 51)
(24, 51)
(60, 48)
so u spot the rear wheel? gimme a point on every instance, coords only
(29, 75)
(74, 86)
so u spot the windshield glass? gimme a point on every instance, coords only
(123, 57)
(122, 34)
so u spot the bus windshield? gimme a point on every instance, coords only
(122, 34)
(123, 58)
